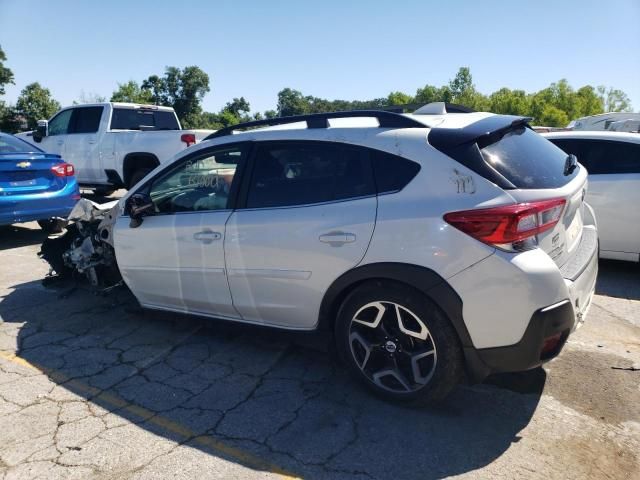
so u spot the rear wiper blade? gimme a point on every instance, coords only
(570, 164)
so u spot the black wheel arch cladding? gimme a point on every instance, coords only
(422, 279)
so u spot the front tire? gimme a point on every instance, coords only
(398, 343)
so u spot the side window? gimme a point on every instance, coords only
(392, 173)
(607, 157)
(301, 173)
(86, 119)
(602, 157)
(59, 125)
(199, 184)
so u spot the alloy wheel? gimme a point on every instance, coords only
(392, 347)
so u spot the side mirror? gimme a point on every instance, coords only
(138, 206)
(41, 131)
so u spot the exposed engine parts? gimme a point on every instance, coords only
(86, 248)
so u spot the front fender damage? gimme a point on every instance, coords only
(86, 249)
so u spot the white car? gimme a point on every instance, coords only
(113, 145)
(613, 162)
(434, 246)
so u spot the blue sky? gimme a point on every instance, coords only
(333, 49)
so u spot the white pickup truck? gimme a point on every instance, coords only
(113, 145)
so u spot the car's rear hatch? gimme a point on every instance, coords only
(29, 173)
(530, 169)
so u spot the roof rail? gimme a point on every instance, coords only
(321, 120)
(433, 108)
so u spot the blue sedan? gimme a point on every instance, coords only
(34, 185)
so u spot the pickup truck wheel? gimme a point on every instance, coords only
(398, 343)
(52, 225)
(137, 176)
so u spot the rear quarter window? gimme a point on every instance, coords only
(392, 173)
(528, 160)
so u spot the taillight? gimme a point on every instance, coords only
(188, 138)
(63, 170)
(507, 225)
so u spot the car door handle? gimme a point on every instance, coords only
(207, 236)
(60, 142)
(335, 239)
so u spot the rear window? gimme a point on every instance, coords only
(528, 160)
(9, 144)
(141, 119)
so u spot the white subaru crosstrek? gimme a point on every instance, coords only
(435, 246)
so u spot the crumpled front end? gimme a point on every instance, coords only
(85, 250)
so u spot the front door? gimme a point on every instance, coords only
(175, 259)
(59, 125)
(308, 217)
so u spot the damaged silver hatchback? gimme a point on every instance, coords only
(373, 225)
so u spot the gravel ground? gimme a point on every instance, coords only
(90, 387)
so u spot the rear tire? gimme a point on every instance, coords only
(398, 343)
(137, 176)
(52, 225)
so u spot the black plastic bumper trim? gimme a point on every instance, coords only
(527, 353)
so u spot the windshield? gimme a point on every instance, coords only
(9, 144)
(528, 160)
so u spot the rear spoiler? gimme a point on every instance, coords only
(483, 132)
(464, 144)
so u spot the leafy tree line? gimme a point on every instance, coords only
(184, 90)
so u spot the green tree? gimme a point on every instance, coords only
(36, 103)
(510, 102)
(238, 107)
(183, 90)
(291, 102)
(553, 117)
(6, 75)
(132, 93)
(399, 98)
(614, 100)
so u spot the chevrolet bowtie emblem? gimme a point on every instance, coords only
(23, 164)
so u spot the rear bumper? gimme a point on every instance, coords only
(512, 326)
(41, 206)
(528, 353)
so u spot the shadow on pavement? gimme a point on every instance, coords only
(257, 391)
(619, 279)
(20, 235)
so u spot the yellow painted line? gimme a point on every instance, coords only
(245, 458)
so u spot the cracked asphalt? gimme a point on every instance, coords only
(93, 388)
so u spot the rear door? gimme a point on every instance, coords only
(308, 216)
(82, 149)
(614, 191)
